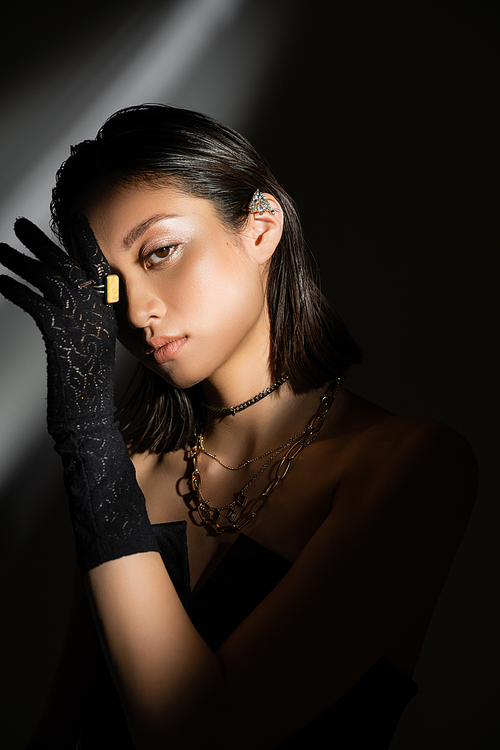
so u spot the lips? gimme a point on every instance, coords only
(165, 348)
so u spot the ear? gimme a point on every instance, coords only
(262, 232)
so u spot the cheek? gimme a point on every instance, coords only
(225, 294)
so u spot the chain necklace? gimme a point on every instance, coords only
(200, 448)
(239, 512)
(225, 410)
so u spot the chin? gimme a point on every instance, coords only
(173, 377)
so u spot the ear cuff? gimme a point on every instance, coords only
(259, 204)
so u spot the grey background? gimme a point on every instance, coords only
(381, 119)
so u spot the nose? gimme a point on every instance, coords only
(143, 305)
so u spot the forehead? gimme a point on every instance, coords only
(121, 201)
(123, 213)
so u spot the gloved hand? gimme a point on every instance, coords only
(79, 329)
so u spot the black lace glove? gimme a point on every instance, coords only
(79, 329)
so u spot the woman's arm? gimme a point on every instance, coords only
(357, 589)
(107, 507)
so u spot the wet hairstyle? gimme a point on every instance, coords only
(159, 145)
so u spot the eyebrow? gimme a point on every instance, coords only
(141, 228)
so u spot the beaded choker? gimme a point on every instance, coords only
(224, 411)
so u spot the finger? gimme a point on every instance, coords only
(48, 252)
(28, 300)
(34, 272)
(93, 262)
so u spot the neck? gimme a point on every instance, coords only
(262, 425)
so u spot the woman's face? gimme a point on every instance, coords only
(192, 295)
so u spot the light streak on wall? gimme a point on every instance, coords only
(157, 57)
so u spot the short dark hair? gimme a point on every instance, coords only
(159, 145)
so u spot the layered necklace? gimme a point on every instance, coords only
(240, 511)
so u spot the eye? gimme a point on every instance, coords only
(157, 256)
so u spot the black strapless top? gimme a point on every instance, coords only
(365, 718)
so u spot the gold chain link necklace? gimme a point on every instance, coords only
(240, 511)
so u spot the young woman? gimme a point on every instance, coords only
(263, 557)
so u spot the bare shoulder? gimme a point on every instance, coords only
(144, 465)
(147, 463)
(406, 454)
